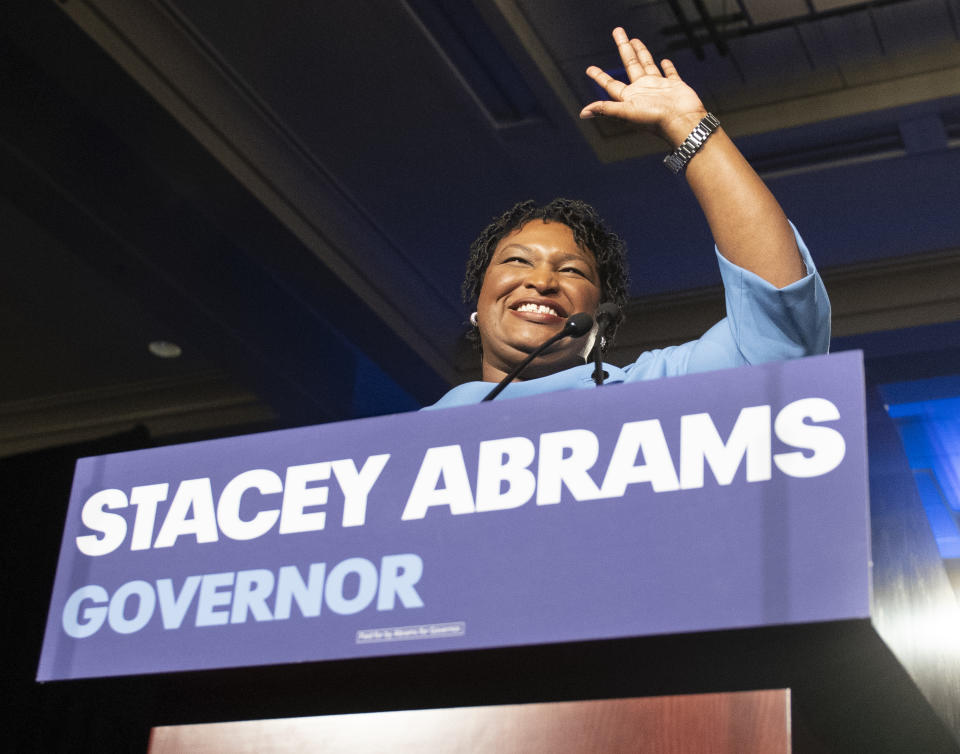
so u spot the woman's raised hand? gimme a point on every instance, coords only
(655, 99)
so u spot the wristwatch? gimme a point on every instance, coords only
(677, 160)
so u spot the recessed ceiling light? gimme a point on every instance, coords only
(165, 349)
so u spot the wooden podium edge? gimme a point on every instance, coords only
(746, 722)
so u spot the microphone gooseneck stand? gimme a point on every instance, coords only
(606, 313)
(576, 326)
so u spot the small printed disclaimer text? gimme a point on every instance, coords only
(407, 633)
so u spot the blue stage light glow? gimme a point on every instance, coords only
(927, 416)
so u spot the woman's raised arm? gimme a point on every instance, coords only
(748, 224)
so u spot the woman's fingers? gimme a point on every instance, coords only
(607, 82)
(637, 62)
(631, 62)
(647, 62)
(669, 70)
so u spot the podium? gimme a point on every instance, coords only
(670, 541)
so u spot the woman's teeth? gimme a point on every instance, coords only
(537, 309)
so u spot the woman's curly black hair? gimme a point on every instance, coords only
(589, 232)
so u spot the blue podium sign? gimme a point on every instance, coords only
(724, 500)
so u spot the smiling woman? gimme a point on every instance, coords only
(535, 265)
(537, 276)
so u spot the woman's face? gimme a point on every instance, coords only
(536, 279)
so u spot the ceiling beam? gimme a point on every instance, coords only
(158, 50)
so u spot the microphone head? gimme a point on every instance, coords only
(578, 325)
(606, 312)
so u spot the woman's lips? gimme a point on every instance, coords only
(537, 309)
(539, 312)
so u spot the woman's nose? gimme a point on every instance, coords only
(542, 277)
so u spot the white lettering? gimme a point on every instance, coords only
(356, 486)
(297, 496)
(501, 461)
(113, 526)
(556, 468)
(700, 441)
(193, 496)
(646, 437)
(228, 509)
(446, 462)
(827, 444)
(505, 479)
(146, 498)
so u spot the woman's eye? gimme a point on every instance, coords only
(575, 270)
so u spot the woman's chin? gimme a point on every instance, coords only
(550, 363)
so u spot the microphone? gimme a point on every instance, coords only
(576, 326)
(606, 314)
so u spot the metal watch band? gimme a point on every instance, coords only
(677, 160)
